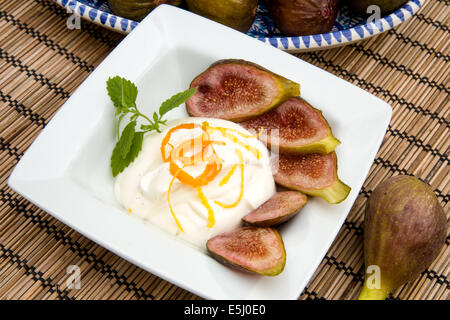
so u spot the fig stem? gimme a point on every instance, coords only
(373, 294)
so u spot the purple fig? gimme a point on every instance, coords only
(303, 17)
(314, 174)
(250, 249)
(281, 207)
(238, 90)
(404, 230)
(298, 128)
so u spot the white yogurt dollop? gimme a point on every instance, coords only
(143, 186)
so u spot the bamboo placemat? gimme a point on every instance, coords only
(42, 62)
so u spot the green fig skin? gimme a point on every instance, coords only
(404, 231)
(138, 9)
(237, 14)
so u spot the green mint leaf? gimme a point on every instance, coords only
(118, 164)
(136, 146)
(122, 92)
(176, 100)
(126, 139)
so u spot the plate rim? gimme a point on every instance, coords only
(292, 44)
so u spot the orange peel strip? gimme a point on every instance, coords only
(205, 203)
(170, 205)
(228, 176)
(241, 193)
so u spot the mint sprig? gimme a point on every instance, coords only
(123, 94)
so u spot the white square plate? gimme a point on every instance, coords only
(66, 170)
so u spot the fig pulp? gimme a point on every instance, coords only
(303, 17)
(237, 14)
(251, 249)
(404, 230)
(137, 9)
(314, 174)
(238, 90)
(281, 207)
(297, 128)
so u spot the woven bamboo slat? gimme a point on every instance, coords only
(42, 63)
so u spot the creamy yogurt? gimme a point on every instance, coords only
(142, 188)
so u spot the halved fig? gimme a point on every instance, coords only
(281, 207)
(250, 249)
(295, 127)
(238, 90)
(314, 174)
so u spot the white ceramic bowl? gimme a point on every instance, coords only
(347, 29)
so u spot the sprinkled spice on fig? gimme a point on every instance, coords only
(250, 249)
(295, 127)
(238, 90)
(313, 174)
(283, 206)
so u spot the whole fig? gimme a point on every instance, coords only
(237, 14)
(138, 9)
(303, 17)
(404, 231)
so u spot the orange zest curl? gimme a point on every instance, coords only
(166, 140)
(200, 150)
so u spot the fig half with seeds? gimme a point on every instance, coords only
(238, 90)
(250, 249)
(314, 174)
(295, 127)
(280, 208)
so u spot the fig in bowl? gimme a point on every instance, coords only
(138, 9)
(303, 17)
